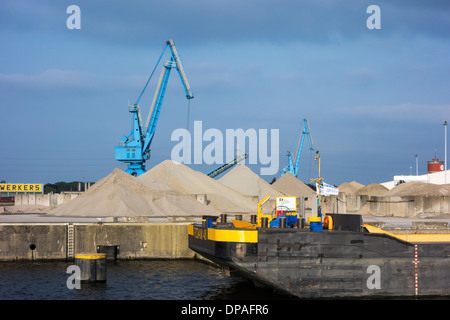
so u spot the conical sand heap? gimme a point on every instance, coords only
(350, 187)
(291, 186)
(373, 189)
(416, 188)
(121, 195)
(241, 178)
(189, 182)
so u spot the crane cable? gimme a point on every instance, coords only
(145, 87)
(297, 138)
(188, 113)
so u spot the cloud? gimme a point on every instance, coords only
(138, 23)
(362, 76)
(400, 113)
(429, 18)
(52, 79)
(252, 63)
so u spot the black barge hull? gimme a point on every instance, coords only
(331, 263)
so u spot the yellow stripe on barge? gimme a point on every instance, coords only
(413, 238)
(224, 235)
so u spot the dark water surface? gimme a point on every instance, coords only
(128, 280)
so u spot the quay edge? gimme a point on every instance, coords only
(50, 241)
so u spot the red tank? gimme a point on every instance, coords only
(435, 166)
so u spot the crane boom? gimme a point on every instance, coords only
(180, 69)
(291, 167)
(136, 146)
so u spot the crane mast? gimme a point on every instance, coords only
(135, 148)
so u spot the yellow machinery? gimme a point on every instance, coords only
(284, 207)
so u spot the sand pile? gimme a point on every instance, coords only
(291, 186)
(414, 188)
(350, 187)
(188, 182)
(121, 195)
(241, 178)
(365, 210)
(373, 189)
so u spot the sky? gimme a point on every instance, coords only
(374, 98)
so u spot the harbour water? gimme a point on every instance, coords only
(178, 288)
(128, 280)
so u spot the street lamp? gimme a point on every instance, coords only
(445, 148)
(417, 164)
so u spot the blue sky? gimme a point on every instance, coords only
(373, 98)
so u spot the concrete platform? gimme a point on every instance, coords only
(390, 222)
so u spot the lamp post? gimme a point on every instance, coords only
(318, 183)
(445, 148)
(417, 164)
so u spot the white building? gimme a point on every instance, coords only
(442, 177)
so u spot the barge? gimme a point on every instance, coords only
(330, 256)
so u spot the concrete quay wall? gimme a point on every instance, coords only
(37, 241)
(51, 199)
(32, 241)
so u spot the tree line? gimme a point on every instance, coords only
(59, 187)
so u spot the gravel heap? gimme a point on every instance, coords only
(122, 195)
(189, 182)
(415, 188)
(241, 178)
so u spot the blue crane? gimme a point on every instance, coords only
(291, 167)
(135, 148)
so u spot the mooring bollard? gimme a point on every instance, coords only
(264, 222)
(315, 224)
(92, 266)
(223, 218)
(282, 222)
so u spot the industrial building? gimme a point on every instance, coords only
(436, 175)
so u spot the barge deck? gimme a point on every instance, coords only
(346, 259)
